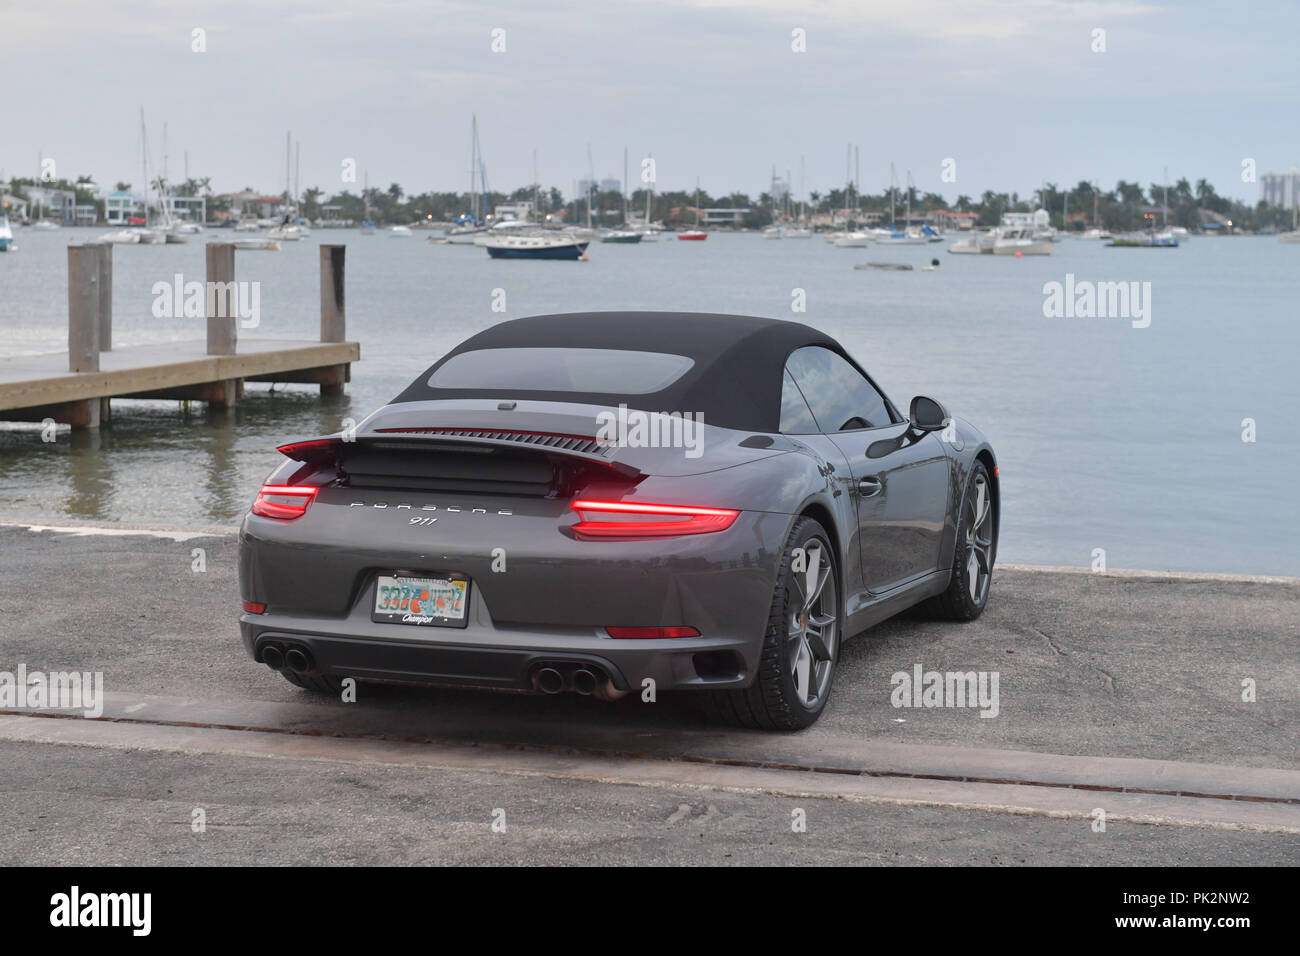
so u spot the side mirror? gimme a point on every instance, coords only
(927, 415)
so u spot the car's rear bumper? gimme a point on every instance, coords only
(445, 655)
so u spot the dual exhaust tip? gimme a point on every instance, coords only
(582, 679)
(295, 659)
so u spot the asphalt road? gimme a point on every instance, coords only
(1089, 665)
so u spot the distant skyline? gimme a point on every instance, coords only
(1012, 92)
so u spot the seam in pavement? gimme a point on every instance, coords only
(737, 762)
(776, 786)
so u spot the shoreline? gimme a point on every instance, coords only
(96, 528)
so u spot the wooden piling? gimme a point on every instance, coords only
(83, 308)
(222, 309)
(105, 262)
(333, 320)
(333, 313)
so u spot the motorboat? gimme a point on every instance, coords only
(286, 232)
(1020, 241)
(123, 237)
(400, 232)
(511, 246)
(1146, 240)
(852, 240)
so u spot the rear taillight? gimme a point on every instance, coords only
(285, 502)
(315, 451)
(253, 607)
(651, 632)
(622, 519)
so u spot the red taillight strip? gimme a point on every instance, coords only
(284, 502)
(686, 519)
(307, 450)
(651, 632)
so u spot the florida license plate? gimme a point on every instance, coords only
(427, 602)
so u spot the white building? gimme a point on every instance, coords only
(1281, 189)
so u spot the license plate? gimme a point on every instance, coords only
(427, 602)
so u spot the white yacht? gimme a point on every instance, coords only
(852, 240)
(976, 244)
(1022, 241)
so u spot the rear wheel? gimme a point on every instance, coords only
(977, 548)
(801, 643)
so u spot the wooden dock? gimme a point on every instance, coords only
(76, 387)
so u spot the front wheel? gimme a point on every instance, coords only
(977, 548)
(800, 644)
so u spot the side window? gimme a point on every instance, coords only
(840, 398)
(796, 419)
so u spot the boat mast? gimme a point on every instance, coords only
(909, 198)
(624, 185)
(1164, 203)
(144, 165)
(801, 190)
(473, 168)
(891, 195)
(857, 184)
(288, 176)
(591, 183)
(649, 199)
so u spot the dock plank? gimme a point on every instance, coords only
(28, 381)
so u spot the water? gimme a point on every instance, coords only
(1108, 436)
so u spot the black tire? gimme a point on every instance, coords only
(320, 683)
(961, 602)
(774, 700)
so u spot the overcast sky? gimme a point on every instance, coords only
(1012, 90)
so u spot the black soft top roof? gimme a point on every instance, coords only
(735, 382)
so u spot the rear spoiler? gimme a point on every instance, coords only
(579, 447)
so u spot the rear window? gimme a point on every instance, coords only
(608, 371)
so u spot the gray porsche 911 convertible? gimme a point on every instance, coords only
(608, 502)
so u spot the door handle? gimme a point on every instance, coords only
(870, 486)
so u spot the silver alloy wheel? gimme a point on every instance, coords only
(979, 539)
(812, 635)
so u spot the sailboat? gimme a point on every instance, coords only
(907, 236)
(472, 226)
(6, 235)
(287, 229)
(697, 232)
(626, 235)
